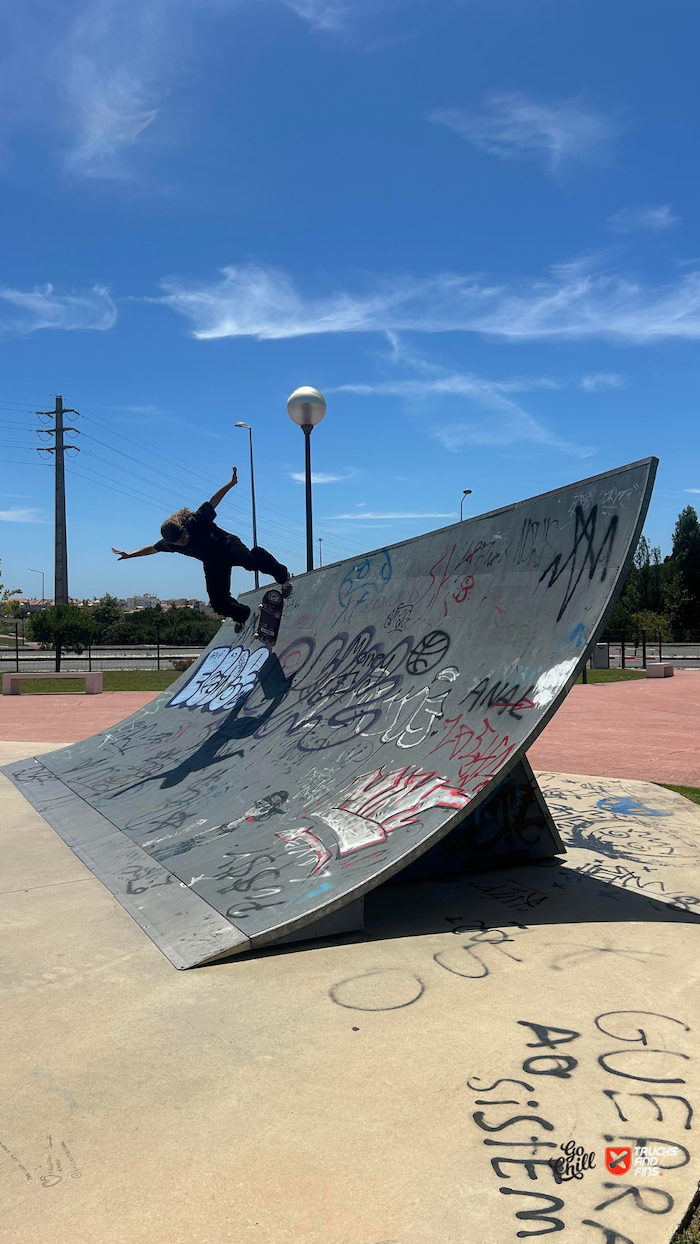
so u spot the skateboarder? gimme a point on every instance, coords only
(196, 535)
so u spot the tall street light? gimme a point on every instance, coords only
(466, 492)
(306, 408)
(43, 598)
(252, 492)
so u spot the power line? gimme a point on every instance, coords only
(289, 530)
(180, 464)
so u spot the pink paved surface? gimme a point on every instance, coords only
(646, 729)
(65, 718)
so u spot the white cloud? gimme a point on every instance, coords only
(509, 422)
(602, 380)
(516, 127)
(631, 219)
(573, 302)
(320, 14)
(336, 517)
(22, 312)
(103, 68)
(154, 411)
(20, 516)
(98, 73)
(318, 477)
(112, 115)
(692, 489)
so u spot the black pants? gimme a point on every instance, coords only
(218, 575)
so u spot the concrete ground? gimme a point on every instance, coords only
(406, 1085)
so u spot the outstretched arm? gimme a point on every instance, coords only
(221, 493)
(145, 552)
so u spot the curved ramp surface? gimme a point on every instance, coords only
(265, 788)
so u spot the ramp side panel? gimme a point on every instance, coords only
(513, 825)
(185, 928)
(405, 684)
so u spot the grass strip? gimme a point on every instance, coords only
(691, 1235)
(689, 792)
(600, 676)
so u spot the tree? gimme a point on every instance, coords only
(105, 614)
(641, 603)
(683, 592)
(61, 627)
(6, 594)
(649, 579)
(175, 626)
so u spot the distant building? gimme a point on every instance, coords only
(182, 602)
(31, 604)
(135, 603)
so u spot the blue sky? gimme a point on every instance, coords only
(472, 223)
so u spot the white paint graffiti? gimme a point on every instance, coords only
(550, 683)
(225, 677)
(302, 841)
(378, 803)
(416, 711)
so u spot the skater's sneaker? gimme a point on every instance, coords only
(240, 614)
(286, 589)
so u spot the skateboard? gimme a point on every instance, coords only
(270, 618)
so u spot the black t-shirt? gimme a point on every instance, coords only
(207, 541)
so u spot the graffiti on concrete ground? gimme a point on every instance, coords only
(620, 826)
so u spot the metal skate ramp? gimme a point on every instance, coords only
(384, 735)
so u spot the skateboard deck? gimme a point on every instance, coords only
(270, 618)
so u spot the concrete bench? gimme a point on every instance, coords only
(11, 683)
(664, 670)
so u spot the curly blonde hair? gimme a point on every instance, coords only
(173, 527)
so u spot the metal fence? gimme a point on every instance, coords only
(632, 651)
(19, 658)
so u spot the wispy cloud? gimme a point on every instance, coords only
(319, 477)
(632, 219)
(25, 312)
(515, 127)
(509, 422)
(602, 380)
(20, 516)
(102, 71)
(149, 411)
(320, 14)
(574, 301)
(113, 67)
(397, 514)
(692, 490)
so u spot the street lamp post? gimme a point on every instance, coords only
(43, 597)
(466, 492)
(306, 408)
(252, 492)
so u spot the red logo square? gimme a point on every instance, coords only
(618, 1159)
